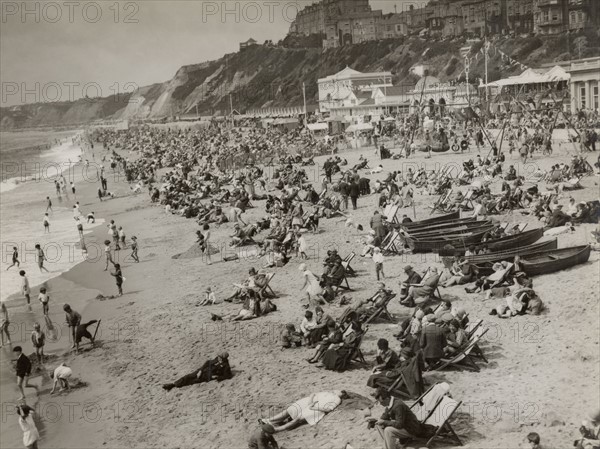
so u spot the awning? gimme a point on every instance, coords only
(359, 127)
(317, 126)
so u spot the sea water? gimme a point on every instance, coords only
(29, 167)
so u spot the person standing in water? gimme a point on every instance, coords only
(48, 204)
(38, 339)
(15, 258)
(46, 223)
(41, 257)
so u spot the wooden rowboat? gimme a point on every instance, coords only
(449, 228)
(545, 262)
(514, 241)
(433, 220)
(443, 225)
(509, 254)
(458, 241)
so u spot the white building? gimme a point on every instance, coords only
(585, 83)
(349, 88)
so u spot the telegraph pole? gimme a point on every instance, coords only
(304, 96)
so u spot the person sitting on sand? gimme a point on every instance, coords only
(263, 438)
(425, 288)
(215, 369)
(61, 374)
(209, 298)
(290, 336)
(590, 432)
(310, 409)
(336, 357)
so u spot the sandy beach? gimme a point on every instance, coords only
(542, 376)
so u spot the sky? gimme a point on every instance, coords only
(64, 50)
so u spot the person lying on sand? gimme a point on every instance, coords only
(216, 369)
(310, 409)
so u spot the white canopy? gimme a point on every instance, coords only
(359, 127)
(317, 126)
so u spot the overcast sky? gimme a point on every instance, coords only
(65, 50)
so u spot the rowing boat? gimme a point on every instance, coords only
(433, 220)
(449, 228)
(458, 241)
(443, 225)
(509, 254)
(516, 240)
(549, 261)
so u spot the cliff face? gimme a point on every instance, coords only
(262, 76)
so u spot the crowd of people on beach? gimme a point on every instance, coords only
(214, 175)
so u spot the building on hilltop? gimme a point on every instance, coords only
(249, 43)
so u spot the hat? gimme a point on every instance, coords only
(446, 318)
(559, 206)
(267, 428)
(224, 355)
(372, 232)
(408, 268)
(419, 314)
(430, 318)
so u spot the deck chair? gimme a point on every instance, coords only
(382, 311)
(442, 203)
(410, 375)
(341, 284)
(476, 335)
(391, 215)
(464, 359)
(472, 327)
(440, 418)
(392, 245)
(356, 355)
(467, 202)
(346, 264)
(266, 289)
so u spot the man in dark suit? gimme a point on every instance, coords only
(398, 422)
(433, 341)
(354, 193)
(217, 368)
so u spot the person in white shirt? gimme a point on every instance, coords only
(60, 375)
(308, 324)
(310, 409)
(30, 432)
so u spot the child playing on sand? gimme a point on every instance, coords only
(44, 298)
(38, 338)
(48, 204)
(134, 249)
(118, 275)
(290, 336)
(41, 257)
(15, 258)
(107, 254)
(302, 245)
(91, 217)
(46, 223)
(122, 237)
(378, 260)
(209, 298)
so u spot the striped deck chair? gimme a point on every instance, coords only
(382, 311)
(435, 407)
(266, 289)
(346, 264)
(464, 358)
